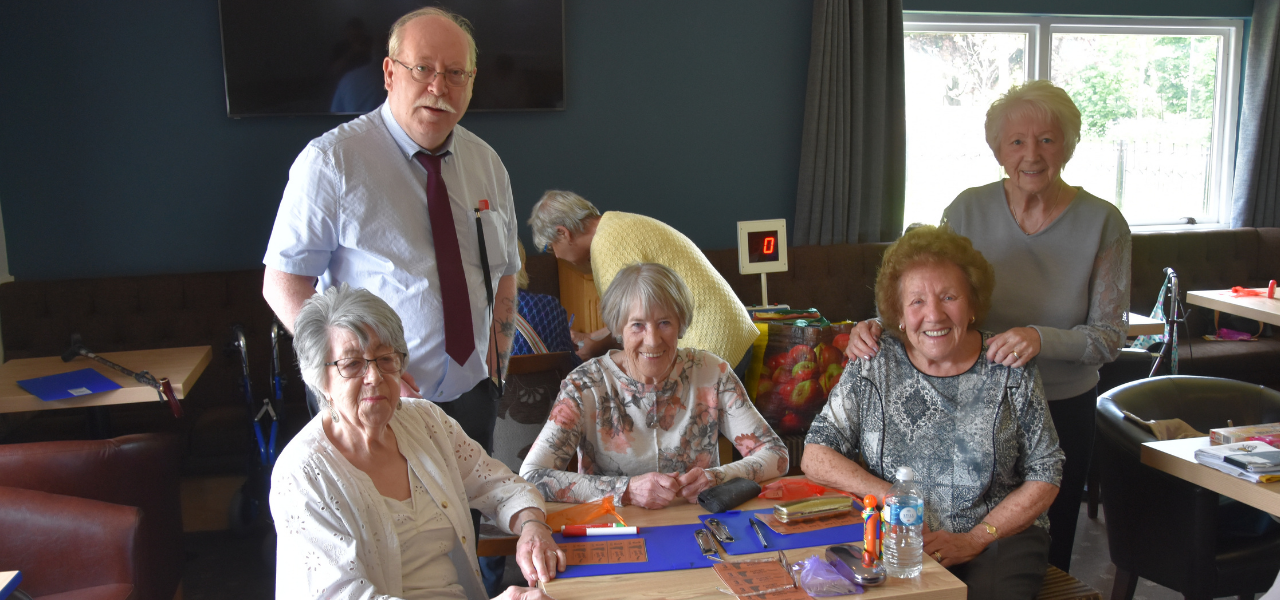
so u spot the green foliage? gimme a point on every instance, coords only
(1102, 97)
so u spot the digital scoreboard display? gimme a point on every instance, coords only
(762, 246)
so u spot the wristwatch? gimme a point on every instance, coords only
(995, 534)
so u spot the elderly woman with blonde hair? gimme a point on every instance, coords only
(976, 432)
(645, 421)
(1062, 256)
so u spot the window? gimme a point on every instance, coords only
(1157, 100)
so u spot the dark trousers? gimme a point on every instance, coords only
(1010, 568)
(1073, 418)
(477, 411)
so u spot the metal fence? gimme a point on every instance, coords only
(1150, 181)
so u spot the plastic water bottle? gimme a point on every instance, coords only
(903, 519)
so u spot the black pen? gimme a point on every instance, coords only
(758, 534)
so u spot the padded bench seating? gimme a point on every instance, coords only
(161, 311)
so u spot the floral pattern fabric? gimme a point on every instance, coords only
(619, 428)
(971, 439)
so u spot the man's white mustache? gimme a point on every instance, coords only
(437, 103)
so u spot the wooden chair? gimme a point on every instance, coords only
(1059, 585)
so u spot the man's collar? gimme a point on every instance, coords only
(406, 143)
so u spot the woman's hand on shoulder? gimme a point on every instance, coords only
(651, 490)
(522, 593)
(864, 340)
(1014, 348)
(693, 482)
(954, 548)
(537, 553)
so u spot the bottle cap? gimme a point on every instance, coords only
(906, 474)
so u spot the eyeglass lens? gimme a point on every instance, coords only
(424, 74)
(352, 368)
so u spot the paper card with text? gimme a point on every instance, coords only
(750, 578)
(606, 552)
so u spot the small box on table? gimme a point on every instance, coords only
(1231, 435)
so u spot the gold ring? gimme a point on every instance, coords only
(1015, 356)
(937, 555)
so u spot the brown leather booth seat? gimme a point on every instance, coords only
(37, 319)
(839, 279)
(1211, 260)
(101, 517)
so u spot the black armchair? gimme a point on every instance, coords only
(1160, 527)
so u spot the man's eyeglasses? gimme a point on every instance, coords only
(353, 368)
(425, 74)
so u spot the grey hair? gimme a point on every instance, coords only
(558, 208)
(396, 35)
(1041, 98)
(357, 310)
(653, 286)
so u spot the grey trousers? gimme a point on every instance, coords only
(1010, 568)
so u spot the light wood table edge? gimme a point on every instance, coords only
(935, 582)
(182, 382)
(1177, 458)
(1261, 308)
(1144, 325)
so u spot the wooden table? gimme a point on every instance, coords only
(934, 583)
(1261, 308)
(181, 365)
(1143, 325)
(1177, 457)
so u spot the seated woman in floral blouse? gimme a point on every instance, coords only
(644, 421)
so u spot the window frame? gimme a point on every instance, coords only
(1040, 30)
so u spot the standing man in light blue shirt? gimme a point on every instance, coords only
(356, 210)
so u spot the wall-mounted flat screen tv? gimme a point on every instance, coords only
(307, 57)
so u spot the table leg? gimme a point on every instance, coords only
(99, 423)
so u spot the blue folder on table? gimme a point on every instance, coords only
(673, 547)
(68, 385)
(745, 541)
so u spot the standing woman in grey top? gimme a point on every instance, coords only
(1062, 259)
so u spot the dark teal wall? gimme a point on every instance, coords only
(116, 155)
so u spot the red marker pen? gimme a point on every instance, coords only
(594, 530)
(1271, 289)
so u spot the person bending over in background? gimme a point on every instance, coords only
(601, 245)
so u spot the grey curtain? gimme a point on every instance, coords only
(1256, 201)
(853, 153)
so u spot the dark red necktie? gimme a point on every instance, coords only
(458, 338)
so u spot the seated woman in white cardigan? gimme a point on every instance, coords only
(372, 498)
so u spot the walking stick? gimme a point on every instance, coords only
(162, 386)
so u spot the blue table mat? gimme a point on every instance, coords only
(673, 547)
(669, 548)
(746, 542)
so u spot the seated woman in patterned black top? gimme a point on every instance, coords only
(977, 434)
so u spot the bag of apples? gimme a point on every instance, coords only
(796, 372)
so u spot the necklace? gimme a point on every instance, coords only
(1053, 212)
(635, 373)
